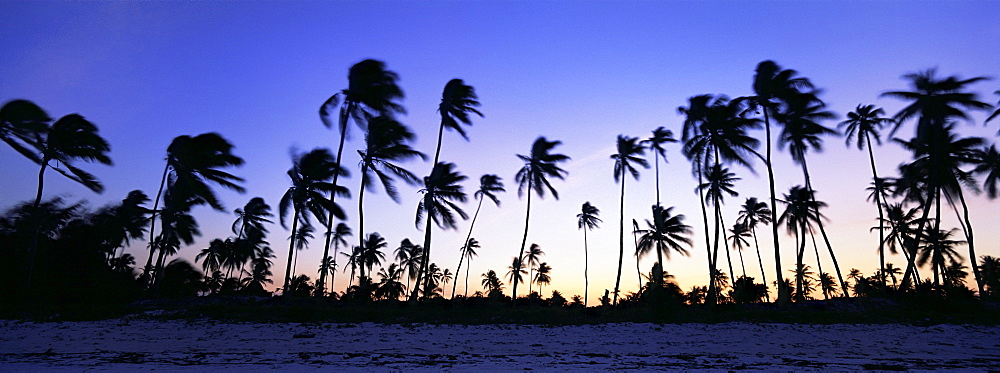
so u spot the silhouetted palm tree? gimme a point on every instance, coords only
(191, 163)
(666, 233)
(371, 254)
(532, 258)
(468, 251)
(988, 164)
(542, 276)
(934, 101)
(655, 144)
(801, 210)
(539, 166)
(587, 220)
(751, 213)
(489, 186)
(457, 101)
(441, 190)
(772, 85)
(249, 227)
(390, 286)
(371, 91)
(628, 153)
(491, 282)
(311, 176)
(738, 235)
(938, 247)
(21, 124)
(864, 124)
(326, 265)
(990, 267)
(718, 182)
(211, 256)
(515, 273)
(410, 257)
(339, 237)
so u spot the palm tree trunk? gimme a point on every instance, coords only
(937, 228)
(819, 266)
(333, 197)
(708, 242)
(454, 285)
(763, 277)
(782, 298)
(467, 278)
(38, 222)
(800, 238)
(425, 259)
(878, 203)
(822, 230)
(971, 242)
(291, 251)
(437, 153)
(586, 264)
(152, 228)
(915, 242)
(725, 244)
(638, 272)
(524, 240)
(361, 222)
(621, 239)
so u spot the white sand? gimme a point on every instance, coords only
(133, 343)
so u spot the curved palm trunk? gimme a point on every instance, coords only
(800, 240)
(467, 278)
(711, 299)
(461, 258)
(291, 251)
(782, 297)
(421, 272)
(763, 276)
(34, 210)
(915, 242)
(725, 244)
(971, 242)
(524, 240)
(638, 272)
(586, 264)
(437, 153)
(878, 203)
(822, 230)
(333, 197)
(819, 266)
(361, 226)
(152, 228)
(621, 240)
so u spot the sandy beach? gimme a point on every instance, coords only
(134, 343)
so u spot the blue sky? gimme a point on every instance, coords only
(581, 72)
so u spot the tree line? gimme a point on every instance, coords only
(61, 250)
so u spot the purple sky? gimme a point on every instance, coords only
(579, 72)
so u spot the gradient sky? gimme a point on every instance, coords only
(580, 72)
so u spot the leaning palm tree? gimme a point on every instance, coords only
(371, 91)
(457, 101)
(311, 176)
(211, 256)
(532, 258)
(386, 143)
(655, 144)
(772, 85)
(249, 227)
(628, 153)
(539, 166)
(468, 251)
(587, 220)
(191, 163)
(738, 235)
(751, 213)
(666, 233)
(864, 124)
(441, 191)
(489, 186)
(801, 133)
(339, 237)
(21, 124)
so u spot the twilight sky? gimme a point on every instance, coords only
(579, 72)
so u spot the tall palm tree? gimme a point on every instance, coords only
(457, 101)
(339, 237)
(71, 138)
(751, 213)
(441, 191)
(935, 101)
(801, 211)
(772, 85)
(385, 144)
(587, 220)
(718, 182)
(628, 153)
(655, 144)
(864, 124)
(21, 124)
(801, 133)
(542, 276)
(311, 176)
(539, 165)
(532, 258)
(738, 234)
(371, 91)
(666, 233)
(191, 163)
(468, 251)
(489, 186)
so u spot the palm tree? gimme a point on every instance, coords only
(738, 234)
(409, 257)
(864, 124)
(489, 186)
(301, 239)
(891, 271)
(371, 253)
(386, 143)
(827, 285)
(441, 190)
(935, 101)
(801, 133)
(339, 237)
(629, 153)
(587, 220)
(371, 91)
(468, 251)
(327, 265)
(996, 112)
(534, 176)
(21, 124)
(390, 286)
(988, 164)
(191, 163)
(532, 259)
(797, 218)
(938, 247)
(990, 267)
(211, 256)
(751, 213)
(353, 261)
(772, 85)
(491, 282)
(542, 276)
(666, 233)
(655, 144)
(515, 273)
(718, 182)
(249, 226)
(457, 101)
(310, 174)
